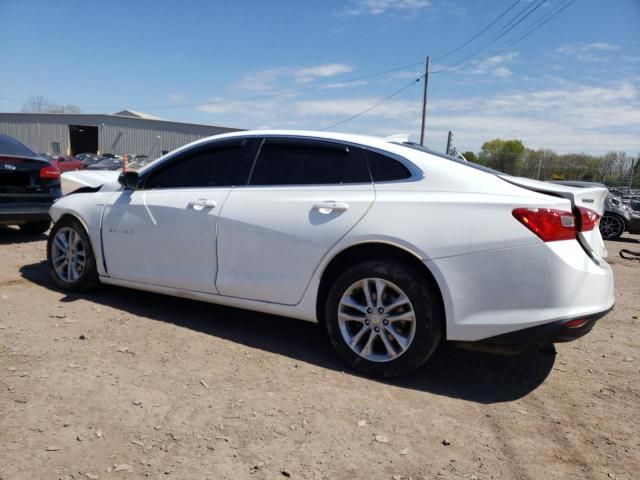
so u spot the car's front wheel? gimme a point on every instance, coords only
(611, 226)
(384, 318)
(70, 258)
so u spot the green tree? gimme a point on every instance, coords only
(503, 155)
(469, 155)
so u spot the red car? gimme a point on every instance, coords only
(64, 164)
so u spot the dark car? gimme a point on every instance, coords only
(619, 216)
(107, 164)
(108, 155)
(29, 184)
(88, 158)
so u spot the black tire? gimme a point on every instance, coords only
(35, 228)
(612, 226)
(426, 303)
(88, 278)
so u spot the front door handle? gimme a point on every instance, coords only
(203, 202)
(331, 206)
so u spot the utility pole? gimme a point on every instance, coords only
(424, 100)
(449, 142)
(539, 166)
(633, 170)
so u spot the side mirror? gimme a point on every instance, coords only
(129, 180)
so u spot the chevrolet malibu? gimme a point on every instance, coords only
(391, 247)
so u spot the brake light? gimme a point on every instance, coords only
(588, 219)
(51, 173)
(547, 223)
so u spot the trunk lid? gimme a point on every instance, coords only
(21, 182)
(592, 198)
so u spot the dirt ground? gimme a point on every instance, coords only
(122, 384)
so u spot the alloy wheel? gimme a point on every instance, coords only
(376, 319)
(68, 254)
(611, 226)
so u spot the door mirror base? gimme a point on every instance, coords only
(129, 180)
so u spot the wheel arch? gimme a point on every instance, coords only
(372, 250)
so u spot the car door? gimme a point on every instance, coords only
(303, 196)
(164, 233)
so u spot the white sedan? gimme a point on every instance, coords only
(391, 247)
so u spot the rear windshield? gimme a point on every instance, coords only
(11, 146)
(420, 148)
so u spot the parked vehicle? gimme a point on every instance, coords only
(619, 216)
(88, 158)
(107, 164)
(29, 185)
(392, 247)
(109, 155)
(140, 161)
(66, 164)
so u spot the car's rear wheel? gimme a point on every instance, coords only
(35, 228)
(384, 318)
(70, 258)
(611, 226)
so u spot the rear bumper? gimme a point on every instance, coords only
(527, 291)
(18, 216)
(554, 332)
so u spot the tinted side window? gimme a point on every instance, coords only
(212, 167)
(384, 169)
(308, 163)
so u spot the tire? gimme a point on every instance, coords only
(611, 226)
(406, 335)
(35, 228)
(82, 275)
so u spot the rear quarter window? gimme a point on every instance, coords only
(385, 169)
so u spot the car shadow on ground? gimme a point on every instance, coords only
(12, 236)
(450, 372)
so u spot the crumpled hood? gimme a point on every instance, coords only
(107, 179)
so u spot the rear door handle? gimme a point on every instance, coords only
(331, 206)
(203, 202)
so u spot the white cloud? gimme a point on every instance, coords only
(306, 75)
(494, 66)
(272, 78)
(588, 52)
(379, 7)
(569, 117)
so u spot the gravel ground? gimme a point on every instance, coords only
(124, 384)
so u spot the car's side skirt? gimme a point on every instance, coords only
(258, 306)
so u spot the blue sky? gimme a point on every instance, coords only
(572, 85)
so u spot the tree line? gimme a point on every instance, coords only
(512, 157)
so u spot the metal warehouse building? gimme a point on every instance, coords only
(127, 131)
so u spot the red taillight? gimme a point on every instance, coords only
(547, 223)
(575, 323)
(51, 173)
(588, 219)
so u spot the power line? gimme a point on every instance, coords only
(371, 107)
(286, 93)
(514, 22)
(542, 22)
(479, 33)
